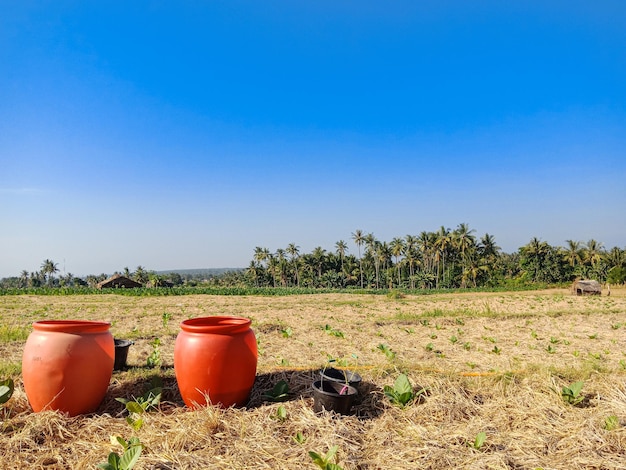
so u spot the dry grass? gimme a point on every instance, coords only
(492, 363)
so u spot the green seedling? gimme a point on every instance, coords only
(331, 331)
(286, 332)
(402, 393)
(496, 350)
(572, 393)
(325, 461)
(128, 459)
(611, 423)
(138, 406)
(154, 359)
(6, 390)
(479, 441)
(429, 347)
(454, 339)
(299, 438)
(280, 392)
(387, 351)
(165, 318)
(281, 413)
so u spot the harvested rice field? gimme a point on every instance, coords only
(491, 369)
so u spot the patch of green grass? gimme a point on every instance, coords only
(10, 333)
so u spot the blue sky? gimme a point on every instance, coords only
(180, 135)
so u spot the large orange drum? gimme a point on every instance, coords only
(67, 365)
(215, 361)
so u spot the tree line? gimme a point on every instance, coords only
(441, 259)
(432, 260)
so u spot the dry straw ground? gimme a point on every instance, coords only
(491, 362)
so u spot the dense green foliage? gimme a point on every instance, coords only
(446, 259)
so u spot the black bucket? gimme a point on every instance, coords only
(342, 376)
(121, 353)
(333, 396)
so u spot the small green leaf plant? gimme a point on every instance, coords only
(402, 393)
(281, 413)
(131, 452)
(154, 359)
(572, 394)
(611, 423)
(138, 406)
(280, 392)
(325, 461)
(6, 390)
(387, 351)
(479, 441)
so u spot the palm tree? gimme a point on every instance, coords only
(253, 271)
(443, 240)
(282, 266)
(397, 248)
(24, 278)
(409, 255)
(318, 255)
(593, 252)
(341, 249)
(573, 253)
(294, 251)
(372, 248)
(48, 269)
(359, 240)
(141, 275)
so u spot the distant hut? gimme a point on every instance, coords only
(118, 281)
(586, 287)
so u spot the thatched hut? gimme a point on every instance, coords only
(586, 287)
(118, 281)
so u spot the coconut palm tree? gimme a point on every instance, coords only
(294, 251)
(443, 241)
(573, 253)
(341, 248)
(593, 253)
(318, 256)
(397, 246)
(48, 269)
(410, 255)
(372, 247)
(24, 278)
(359, 240)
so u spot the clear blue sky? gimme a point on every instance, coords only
(183, 134)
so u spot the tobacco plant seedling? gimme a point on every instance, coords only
(324, 461)
(280, 392)
(154, 359)
(165, 318)
(572, 393)
(479, 441)
(128, 459)
(387, 351)
(611, 423)
(6, 390)
(299, 438)
(136, 407)
(281, 413)
(286, 332)
(402, 393)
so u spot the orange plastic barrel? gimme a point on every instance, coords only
(215, 361)
(67, 365)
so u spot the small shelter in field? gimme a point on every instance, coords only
(118, 281)
(586, 287)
